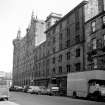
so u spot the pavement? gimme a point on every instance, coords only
(7, 103)
(19, 98)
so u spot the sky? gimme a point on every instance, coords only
(16, 14)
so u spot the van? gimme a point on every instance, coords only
(87, 84)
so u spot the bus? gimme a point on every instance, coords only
(4, 88)
(87, 84)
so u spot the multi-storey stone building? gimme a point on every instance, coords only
(40, 64)
(95, 34)
(65, 46)
(23, 56)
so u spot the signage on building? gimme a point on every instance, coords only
(91, 9)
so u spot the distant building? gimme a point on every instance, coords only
(23, 56)
(40, 27)
(7, 76)
(2, 74)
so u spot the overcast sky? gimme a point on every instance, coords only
(15, 14)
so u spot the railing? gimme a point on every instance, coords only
(99, 44)
(91, 51)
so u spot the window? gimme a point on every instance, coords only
(68, 55)
(94, 43)
(38, 73)
(60, 41)
(68, 37)
(104, 37)
(60, 26)
(48, 52)
(54, 40)
(54, 50)
(77, 38)
(53, 60)
(93, 26)
(77, 66)
(103, 20)
(48, 43)
(60, 58)
(68, 68)
(68, 21)
(47, 72)
(54, 70)
(60, 36)
(53, 30)
(60, 46)
(48, 24)
(39, 66)
(68, 33)
(60, 69)
(68, 43)
(77, 25)
(95, 63)
(77, 20)
(78, 52)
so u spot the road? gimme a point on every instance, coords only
(32, 99)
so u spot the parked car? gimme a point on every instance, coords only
(49, 92)
(34, 90)
(37, 90)
(11, 88)
(46, 91)
(18, 88)
(43, 90)
(25, 88)
(54, 90)
(30, 89)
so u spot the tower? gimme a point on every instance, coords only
(19, 34)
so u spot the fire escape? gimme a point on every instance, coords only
(98, 53)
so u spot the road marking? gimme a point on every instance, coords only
(7, 103)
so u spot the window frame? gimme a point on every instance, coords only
(78, 52)
(94, 44)
(93, 26)
(78, 67)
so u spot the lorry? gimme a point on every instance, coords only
(87, 84)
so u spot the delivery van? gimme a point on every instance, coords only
(89, 84)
